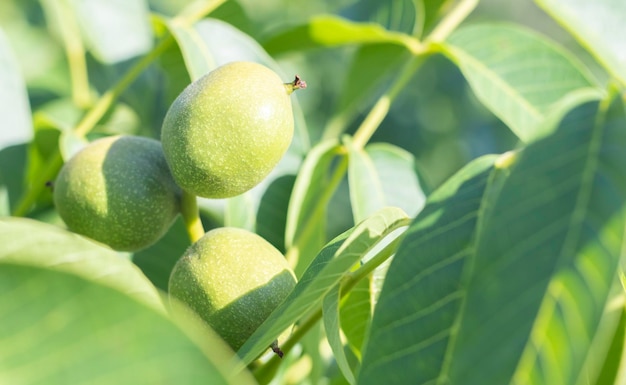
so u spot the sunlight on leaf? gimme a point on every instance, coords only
(114, 31)
(598, 25)
(614, 369)
(356, 311)
(514, 288)
(373, 174)
(31, 242)
(420, 297)
(64, 329)
(429, 11)
(306, 216)
(332, 328)
(522, 77)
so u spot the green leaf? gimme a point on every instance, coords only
(263, 209)
(234, 14)
(585, 214)
(311, 347)
(429, 262)
(271, 220)
(41, 57)
(120, 120)
(13, 160)
(332, 327)
(60, 114)
(53, 124)
(240, 211)
(326, 271)
(392, 15)
(356, 314)
(229, 11)
(60, 328)
(14, 104)
(357, 309)
(50, 123)
(306, 217)
(522, 77)
(172, 63)
(374, 174)
(429, 12)
(169, 7)
(114, 31)
(601, 363)
(371, 66)
(26, 241)
(598, 25)
(612, 371)
(507, 279)
(70, 143)
(332, 31)
(158, 260)
(211, 43)
(333, 374)
(366, 193)
(196, 53)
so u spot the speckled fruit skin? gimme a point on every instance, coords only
(227, 130)
(118, 191)
(233, 279)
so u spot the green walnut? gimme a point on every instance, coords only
(227, 130)
(233, 279)
(118, 191)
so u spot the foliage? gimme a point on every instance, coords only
(453, 201)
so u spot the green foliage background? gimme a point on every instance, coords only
(481, 144)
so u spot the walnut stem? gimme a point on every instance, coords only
(296, 84)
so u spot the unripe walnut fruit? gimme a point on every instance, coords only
(118, 191)
(233, 279)
(227, 130)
